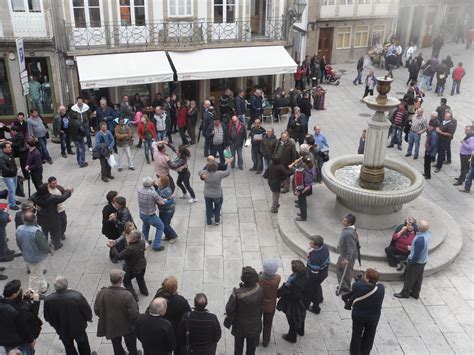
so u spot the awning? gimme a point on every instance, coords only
(232, 62)
(109, 70)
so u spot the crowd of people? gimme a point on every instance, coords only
(291, 162)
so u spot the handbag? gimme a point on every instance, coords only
(19, 187)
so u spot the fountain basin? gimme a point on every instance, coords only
(373, 209)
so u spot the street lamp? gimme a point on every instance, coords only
(296, 10)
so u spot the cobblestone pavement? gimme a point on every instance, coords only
(209, 259)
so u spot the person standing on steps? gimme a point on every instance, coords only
(347, 253)
(318, 266)
(416, 262)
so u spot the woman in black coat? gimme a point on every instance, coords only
(109, 229)
(178, 306)
(48, 216)
(366, 312)
(291, 302)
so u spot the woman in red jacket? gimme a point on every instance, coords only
(147, 132)
(181, 121)
(400, 246)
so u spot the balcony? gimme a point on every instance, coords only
(171, 35)
(30, 25)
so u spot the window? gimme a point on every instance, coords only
(132, 12)
(86, 13)
(22, 5)
(41, 87)
(6, 102)
(361, 36)
(346, 2)
(328, 2)
(378, 34)
(363, 2)
(343, 37)
(224, 11)
(180, 8)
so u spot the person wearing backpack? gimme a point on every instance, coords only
(367, 295)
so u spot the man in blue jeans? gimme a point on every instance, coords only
(148, 199)
(9, 171)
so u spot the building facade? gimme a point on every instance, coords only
(421, 21)
(30, 20)
(343, 30)
(101, 27)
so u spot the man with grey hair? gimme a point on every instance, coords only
(154, 332)
(117, 311)
(148, 198)
(318, 266)
(61, 129)
(68, 313)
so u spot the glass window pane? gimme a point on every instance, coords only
(172, 7)
(41, 88)
(79, 17)
(94, 3)
(188, 8)
(139, 2)
(6, 102)
(139, 16)
(18, 5)
(94, 15)
(218, 13)
(77, 3)
(230, 14)
(34, 6)
(125, 17)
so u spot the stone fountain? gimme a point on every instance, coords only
(380, 192)
(374, 206)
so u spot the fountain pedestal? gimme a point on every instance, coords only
(372, 170)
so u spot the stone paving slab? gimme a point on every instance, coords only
(209, 259)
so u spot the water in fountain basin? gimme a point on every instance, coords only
(393, 180)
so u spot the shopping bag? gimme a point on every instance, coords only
(111, 160)
(227, 153)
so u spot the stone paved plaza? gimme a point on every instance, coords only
(209, 258)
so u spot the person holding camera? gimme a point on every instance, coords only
(318, 266)
(20, 325)
(366, 303)
(400, 246)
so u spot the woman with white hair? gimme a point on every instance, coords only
(269, 281)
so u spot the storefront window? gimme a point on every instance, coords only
(131, 91)
(6, 102)
(41, 87)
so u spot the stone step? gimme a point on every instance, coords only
(439, 258)
(324, 221)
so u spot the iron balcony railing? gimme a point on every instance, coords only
(173, 34)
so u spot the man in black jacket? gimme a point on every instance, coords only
(154, 332)
(203, 328)
(360, 68)
(241, 107)
(237, 135)
(207, 118)
(9, 171)
(19, 325)
(68, 313)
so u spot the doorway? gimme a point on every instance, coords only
(325, 43)
(189, 90)
(258, 14)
